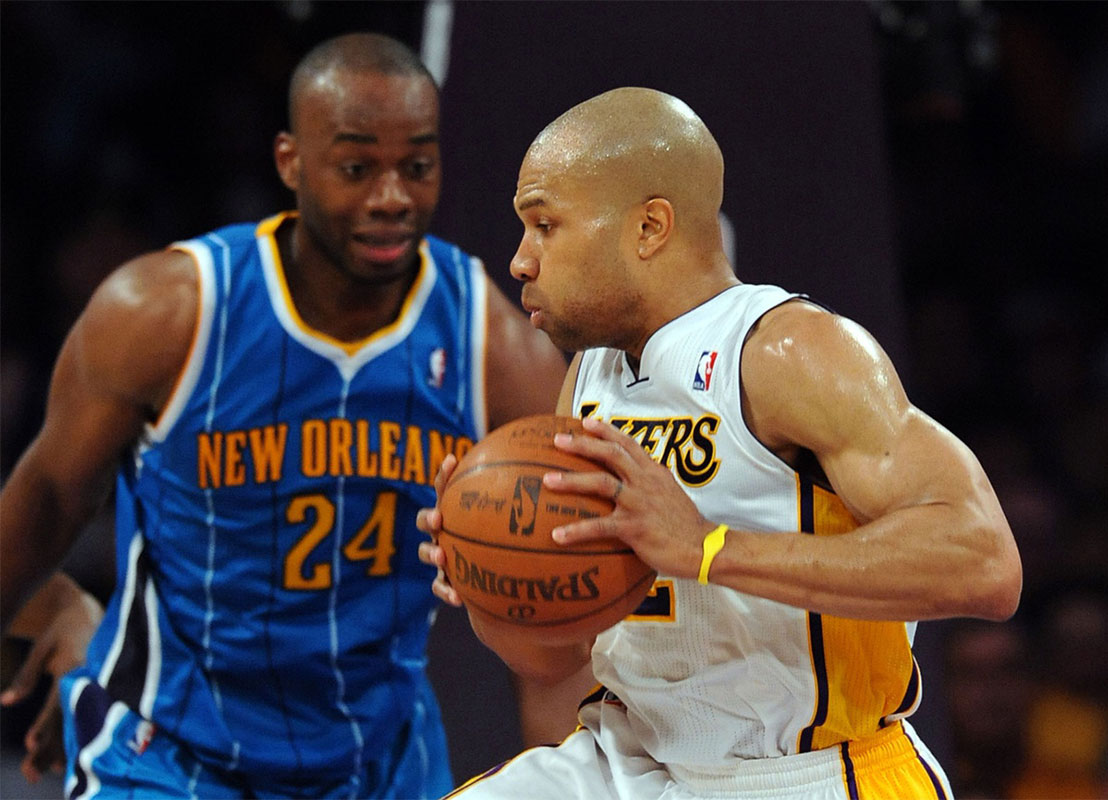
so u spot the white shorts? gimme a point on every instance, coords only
(602, 760)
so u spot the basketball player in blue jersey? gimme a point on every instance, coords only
(762, 456)
(274, 401)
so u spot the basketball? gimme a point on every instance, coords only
(496, 521)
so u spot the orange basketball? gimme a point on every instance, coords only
(496, 521)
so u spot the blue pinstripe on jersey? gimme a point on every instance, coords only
(261, 618)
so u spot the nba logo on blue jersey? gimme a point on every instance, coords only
(702, 381)
(142, 737)
(436, 368)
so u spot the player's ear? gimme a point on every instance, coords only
(656, 220)
(287, 158)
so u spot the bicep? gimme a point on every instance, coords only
(85, 427)
(116, 367)
(914, 462)
(823, 383)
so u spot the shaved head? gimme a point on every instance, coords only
(351, 53)
(637, 144)
(620, 199)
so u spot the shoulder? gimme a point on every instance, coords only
(136, 331)
(801, 336)
(153, 290)
(806, 371)
(149, 278)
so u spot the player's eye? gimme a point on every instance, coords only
(420, 169)
(354, 170)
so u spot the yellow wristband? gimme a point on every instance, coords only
(713, 543)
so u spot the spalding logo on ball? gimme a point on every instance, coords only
(500, 557)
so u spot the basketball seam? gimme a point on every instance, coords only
(520, 549)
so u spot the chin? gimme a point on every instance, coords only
(373, 272)
(566, 341)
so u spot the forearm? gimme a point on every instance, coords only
(924, 562)
(39, 525)
(528, 656)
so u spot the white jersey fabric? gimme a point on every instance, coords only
(709, 674)
(707, 692)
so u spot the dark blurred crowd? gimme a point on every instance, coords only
(998, 139)
(998, 130)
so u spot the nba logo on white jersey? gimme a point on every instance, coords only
(702, 381)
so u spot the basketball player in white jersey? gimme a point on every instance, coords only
(762, 456)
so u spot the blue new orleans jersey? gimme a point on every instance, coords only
(271, 611)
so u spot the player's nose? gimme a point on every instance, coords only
(524, 267)
(389, 195)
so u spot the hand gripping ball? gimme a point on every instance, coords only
(496, 521)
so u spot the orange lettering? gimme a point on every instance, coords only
(342, 434)
(367, 459)
(313, 448)
(236, 471)
(390, 464)
(413, 456)
(267, 445)
(210, 447)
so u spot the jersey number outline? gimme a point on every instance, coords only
(659, 605)
(382, 521)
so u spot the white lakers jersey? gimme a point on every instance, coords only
(710, 674)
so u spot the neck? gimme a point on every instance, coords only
(695, 290)
(331, 301)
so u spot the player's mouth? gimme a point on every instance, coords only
(535, 312)
(384, 248)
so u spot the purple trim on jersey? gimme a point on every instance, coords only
(815, 626)
(936, 784)
(89, 714)
(848, 772)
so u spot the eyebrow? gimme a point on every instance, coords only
(534, 201)
(369, 138)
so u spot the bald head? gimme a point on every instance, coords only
(351, 53)
(640, 143)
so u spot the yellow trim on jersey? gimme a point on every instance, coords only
(862, 668)
(195, 333)
(267, 229)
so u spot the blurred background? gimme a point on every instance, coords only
(936, 170)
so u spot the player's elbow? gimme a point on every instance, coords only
(998, 579)
(1007, 585)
